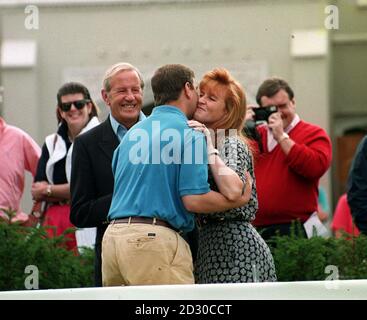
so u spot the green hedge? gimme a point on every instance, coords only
(296, 259)
(57, 268)
(300, 259)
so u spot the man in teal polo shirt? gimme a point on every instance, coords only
(160, 170)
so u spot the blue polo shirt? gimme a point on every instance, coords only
(158, 161)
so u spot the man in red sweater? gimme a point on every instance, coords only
(295, 154)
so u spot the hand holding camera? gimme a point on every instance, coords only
(263, 113)
(256, 115)
(275, 124)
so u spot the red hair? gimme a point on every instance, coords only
(235, 99)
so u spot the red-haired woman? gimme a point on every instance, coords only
(230, 249)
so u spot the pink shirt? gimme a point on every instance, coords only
(18, 152)
(343, 219)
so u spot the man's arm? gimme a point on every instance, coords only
(312, 160)
(87, 210)
(32, 153)
(213, 201)
(309, 158)
(357, 187)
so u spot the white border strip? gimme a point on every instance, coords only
(305, 290)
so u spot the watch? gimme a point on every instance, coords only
(213, 151)
(283, 137)
(49, 191)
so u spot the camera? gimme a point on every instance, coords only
(263, 113)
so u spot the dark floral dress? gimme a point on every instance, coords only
(230, 249)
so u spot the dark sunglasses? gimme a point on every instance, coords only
(78, 104)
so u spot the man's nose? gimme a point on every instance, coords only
(129, 96)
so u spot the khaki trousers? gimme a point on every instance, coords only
(145, 254)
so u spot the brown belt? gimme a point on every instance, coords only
(144, 220)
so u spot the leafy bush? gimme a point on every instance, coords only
(299, 259)
(58, 268)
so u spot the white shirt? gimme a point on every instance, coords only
(272, 143)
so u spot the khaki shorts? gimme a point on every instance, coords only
(145, 254)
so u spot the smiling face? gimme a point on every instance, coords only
(75, 118)
(125, 97)
(211, 107)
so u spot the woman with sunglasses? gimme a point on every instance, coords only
(76, 113)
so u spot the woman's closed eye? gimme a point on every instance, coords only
(210, 97)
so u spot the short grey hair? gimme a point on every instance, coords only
(116, 68)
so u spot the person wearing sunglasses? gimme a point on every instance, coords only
(76, 113)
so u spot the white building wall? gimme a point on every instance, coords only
(252, 37)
